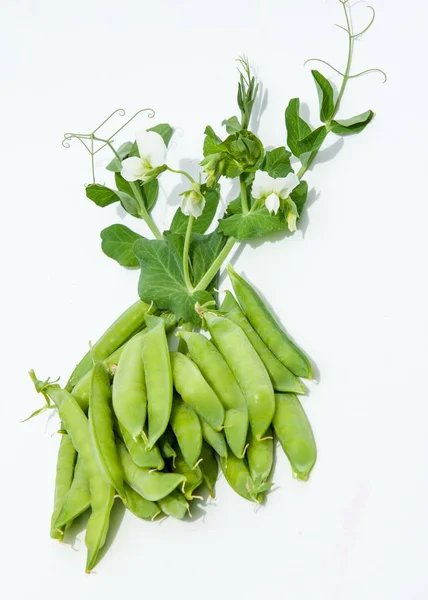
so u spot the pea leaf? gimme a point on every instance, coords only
(232, 125)
(204, 249)
(299, 196)
(123, 151)
(353, 125)
(101, 195)
(212, 142)
(164, 130)
(149, 191)
(118, 243)
(162, 279)
(277, 162)
(243, 152)
(325, 95)
(200, 225)
(314, 140)
(130, 204)
(297, 128)
(257, 223)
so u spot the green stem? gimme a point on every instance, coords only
(144, 214)
(244, 198)
(212, 271)
(346, 78)
(186, 254)
(189, 177)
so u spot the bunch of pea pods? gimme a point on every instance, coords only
(152, 427)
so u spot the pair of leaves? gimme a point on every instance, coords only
(241, 152)
(259, 221)
(103, 196)
(162, 277)
(300, 137)
(201, 224)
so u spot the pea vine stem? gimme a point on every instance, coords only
(187, 279)
(244, 197)
(212, 271)
(346, 77)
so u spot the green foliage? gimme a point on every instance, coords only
(297, 128)
(118, 243)
(277, 162)
(326, 96)
(101, 195)
(201, 224)
(255, 223)
(353, 125)
(164, 130)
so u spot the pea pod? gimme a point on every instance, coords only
(192, 477)
(117, 334)
(174, 505)
(166, 444)
(260, 455)
(78, 498)
(217, 373)
(282, 378)
(157, 369)
(150, 484)
(209, 468)
(101, 428)
(294, 432)
(268, 328)
(129, 388)
(214, 438)
(102, 493)
(64, 477)
(194, 390)
(187, 429)
(238, 477)
(247, 368)
(142, 457)
(139, 506)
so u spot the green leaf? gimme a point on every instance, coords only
(299, 196)
(253, 224)
(314, 140)
(100, 194)
(277, 162)
(325, 95)
(149, 191)
(352, 126)
(297, 128)
(130, 204)
(164, 130)
(212, 142)
(204, 249)
(232, 125)
(162, 279)
(123, 151)
(201, 224)
(118, 243)
(244, 153)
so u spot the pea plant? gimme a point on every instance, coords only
(152, 426)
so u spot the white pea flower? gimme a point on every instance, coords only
(152, 151)
(272, 191)
(193, 201)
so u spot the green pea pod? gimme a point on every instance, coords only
(194, 390)
(282, 378)
(101, 428)
(129, 388)
(139, 506)
(157, 369)
(217, 373)
(260, 455)
(247, 368)
(102, 493)
(238, 477)
(209, 468)
(294, 432)
(150, 484)
(187, 429)
(174, 505)
(142, 457)
(192, 477)
(268, 328)
(215, 439)
(78, 498)
(65, 467)
(166, 444)
(117, 334)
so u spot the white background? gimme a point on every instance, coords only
(351, 288)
